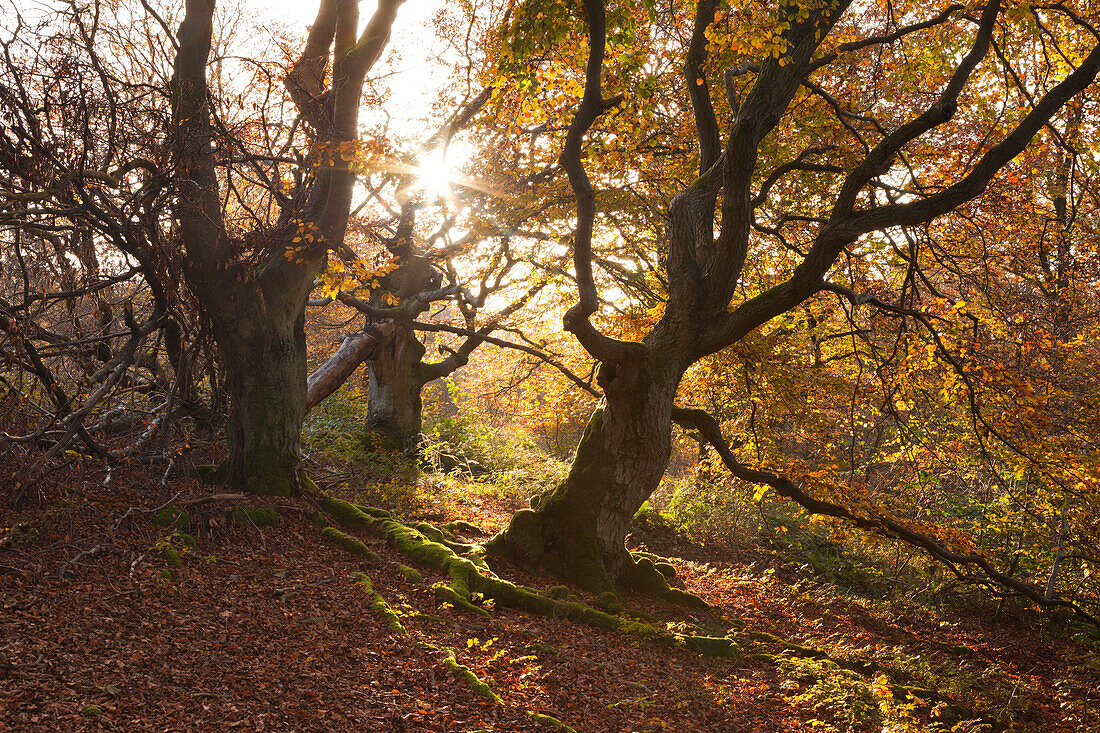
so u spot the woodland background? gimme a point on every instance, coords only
(689, 366)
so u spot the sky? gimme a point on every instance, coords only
(415, 78)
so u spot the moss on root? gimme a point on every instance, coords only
(713, 646)
(462, 672)
(212, 474)
(173, 517)
(433, 533)
(469, 584)
(378, 603)
(349, 543)
(172, 557)
(263, 516)
(549, 720)
(347, 514)
(307, 484)
(411, 574)
(462, 527)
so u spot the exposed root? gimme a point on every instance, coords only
(411, 574)
(647, 576)
(472, 582)
(378, 603)
(463, 672)
(549, 720)
(349, 543)
(791, 649)
(460, 526)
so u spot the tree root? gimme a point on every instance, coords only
(411, 574)
(461, 671)
(378, 603)
(472, 583)
(349, 543)
(549, 720)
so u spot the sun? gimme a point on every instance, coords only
(434, 174)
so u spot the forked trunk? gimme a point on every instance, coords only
(394, 405)
(266, 375)
(578, 528)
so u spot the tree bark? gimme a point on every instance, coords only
(578, 528)
(266, 376)
(257, 308)
(353, 351)
(394, 405)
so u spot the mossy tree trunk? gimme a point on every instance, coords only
(266, 376)
(578, 528)
(255, 300)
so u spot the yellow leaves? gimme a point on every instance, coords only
(340, 276)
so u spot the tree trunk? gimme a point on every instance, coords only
(578, 528)
(336, 370)
(266, 377)
(394, 404)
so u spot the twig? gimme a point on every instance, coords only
(63, 570)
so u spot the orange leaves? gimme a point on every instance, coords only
(339, 276)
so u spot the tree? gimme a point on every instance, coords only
(253, 285)
(795, 117)
(88, 276)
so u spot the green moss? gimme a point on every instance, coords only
(713, 646)
(683, 598)
(259, 516)
(448, 594)
(469, 584)
(665, 566)
(378, 603)
(549, 720)
(609, 602)
(433, 533)
(317, 520)
(417, 546)
(649, 520)
(373, 512)
(348, 543)
(558, 592)
(172, 517)
(642, 575)
(644, 630)
(523, 541)
(212, 475)
(462, 527)
(411, 574)
(463, 672)
(765, 636)
(92, 711)
(308, 485)
(348, 514)
(172, 557)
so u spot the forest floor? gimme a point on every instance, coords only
(265, 628)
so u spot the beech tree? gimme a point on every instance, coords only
(800, 108)
(254, 285)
